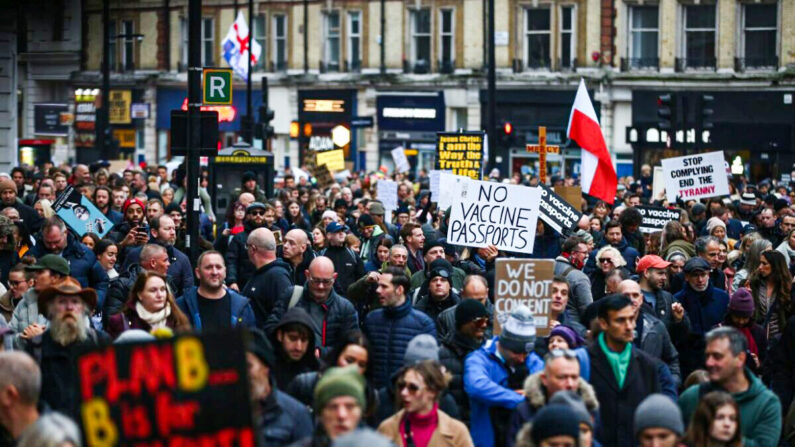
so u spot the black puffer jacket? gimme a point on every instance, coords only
(238, 267)
(269, 285)
(433, 308)
(119, 291)
(452, 353)
(283, 420)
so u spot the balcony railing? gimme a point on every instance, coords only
(682, 64)
(640, 63)
(756, 63)
(446, 67)
(420, 66)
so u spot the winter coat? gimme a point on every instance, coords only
(680, 245)
(83, 266)
(286, 369)
(331, 320)
(662, 310)
(419, 280)
(579, 287)
(449, 432)
(390, 329)
(347, 264)
(362, 293)
(119, 291)
(486, 383)
(238, 266)
(385, 398)
(242, 314)
(268, 286)
(433, 308)
(760, 410)
(780, 364)
(283, 420)
(6, 306)
(25, 314)
(617, 406)
(28, 216)
(445, 322)
(705, 310)
(180, 270)
(536, 397)
(298, 273)
(655, 341)
(129, 319)
(452, 352)
(716, 277)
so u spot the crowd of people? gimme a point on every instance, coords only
(361, 317)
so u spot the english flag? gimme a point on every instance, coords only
(598, 176)
(236, 47)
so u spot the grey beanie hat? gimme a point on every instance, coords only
(658, 411)
(575, 402)
(362, 437)
(422, 347)
(519, 331)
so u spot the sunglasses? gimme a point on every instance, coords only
(412, 387)
(257, 213)
(605, 261)
(442, 273)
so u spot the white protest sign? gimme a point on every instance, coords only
(695, 176)
(434, 177)
(499, 214)
(657, 182)
(401, 161)
(449, 185)
(386, 191)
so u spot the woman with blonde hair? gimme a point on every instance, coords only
(151, 306)
(608, 258)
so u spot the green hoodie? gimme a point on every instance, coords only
(760, 410)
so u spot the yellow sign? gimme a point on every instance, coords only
(334, 160)
(119, 103)
(461, 153)
(324, 105)
(243, 159)
(126, 138)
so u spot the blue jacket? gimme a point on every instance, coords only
(83, 266)
(114, 216)
(283, 420)
(242, 314)
(390, 329)
(485, 380)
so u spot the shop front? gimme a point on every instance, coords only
(411, 121)
(126, 128)
(324, 120)
(754, 129)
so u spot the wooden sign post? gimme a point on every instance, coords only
(542, 149)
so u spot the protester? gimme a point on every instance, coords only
(716, 421)
(51, 429)
(555, 426)
(771, 287)
(27, 322)
(347, 263)
(475, 287)
(20, 387)
(569, 266)
(152, 258)
(658, 422)
(297, 252)
(19, 281)
(237, 257)
(652, 281)
(269, 284)
(440, 295)
(608, 259)
(294, 341)
(151, 306)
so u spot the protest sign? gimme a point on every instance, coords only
(571, 194)
(524, 281)
(655, 218)
(188, 390)
(400, 159)
(80, 214)
(323, 176)
(335, 160)
(461, 153)
(695, 176)
(434, 176)
(386, 193)
(556, 211)
(449, 184)
(657, 183)
(487, 213)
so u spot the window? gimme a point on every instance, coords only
(354, 40)
(208, 42)
(759, 35)
(643, 35)
(280, 42)
(112, 44)
(260, 34)
(421, 40)
(332, 31)
(183, 31)
(699, 38)
(128, 48)
(537, 33)
(568, 50)
(447, 41)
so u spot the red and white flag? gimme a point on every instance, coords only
(598, 176)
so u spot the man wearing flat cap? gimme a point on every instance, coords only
(66, 304)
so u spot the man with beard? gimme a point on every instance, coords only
(8, 199)
(294, 339)
(280, 419)
(653, 276)
(297, 253)
(102, 195)
(66, 304)
(129, 233)
(239, 266)
(27, 322)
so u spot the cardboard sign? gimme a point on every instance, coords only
(400, 159)
(655, 218)
(499, 214)
(335, 160)
(571, 194)
(323, 176)
(557, 212)
(524, 281)
(386, 192)
(695, 176)
(461, 153)
(188, 390)
(79, 214)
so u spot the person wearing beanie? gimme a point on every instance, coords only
(658, 422)
(248, 184)
(621, 374)
(434, 258)
(362, 437)
(370, 234)
(717, 228)
(9, 199)
(476, 287)
(440, 295)
(495, 372)
(339, 403)
(585, 417)
(739, 315)
(556, 425)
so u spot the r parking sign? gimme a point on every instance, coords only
(217, 86)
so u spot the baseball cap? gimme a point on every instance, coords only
(696, 264)
(335, 227)
(255, 206)
(651, 262)
(377, 209)
(51, 262)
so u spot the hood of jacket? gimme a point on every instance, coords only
(296, 315)
(275, 264)
(536, 394)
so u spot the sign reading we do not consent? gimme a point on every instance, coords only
(524, 282)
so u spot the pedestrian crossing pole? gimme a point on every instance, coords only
(194, 127)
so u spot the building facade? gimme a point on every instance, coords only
(326, 66)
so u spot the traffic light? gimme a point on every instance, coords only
(666, 111)
(705, 112)
(506, 134)
(264, 129)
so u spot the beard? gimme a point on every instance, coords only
(65, 332)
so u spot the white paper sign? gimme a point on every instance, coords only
(488, 213)
(449, 185)
(401, 161)
(434, 176)
(386, 191)
(695, 176)
(657, 182)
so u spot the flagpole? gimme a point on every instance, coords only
(249, 131)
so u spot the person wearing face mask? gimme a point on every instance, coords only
(716, 422)
(569, 265)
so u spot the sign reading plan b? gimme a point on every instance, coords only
(487, 213)
(695, 176)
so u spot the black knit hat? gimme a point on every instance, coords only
(430, 243)
(469, 310)
(555, 420)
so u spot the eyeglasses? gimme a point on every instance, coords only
(412, 387)
(250, 246)
(605, 261)
(15, 283)
(257, 212)
(322, 281)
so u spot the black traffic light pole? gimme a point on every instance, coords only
(102, 141)
(247, 121)
(194, 126)
(492, 104)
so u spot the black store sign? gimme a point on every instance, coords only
(47, 119)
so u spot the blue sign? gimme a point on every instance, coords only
(80, 214)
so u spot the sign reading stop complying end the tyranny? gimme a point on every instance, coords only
(487, 213)
(524, 282)
(696, 176)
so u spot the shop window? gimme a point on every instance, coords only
(643, 37)
(354, 40)
(260, 34)
(537, 37)
(698, 22)
(279, 42)
(421, 40)
(446, 41)
(128, 45)
(112, 44)
(332, 33)
(568, 42)
(759, 29)
(208, 42)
